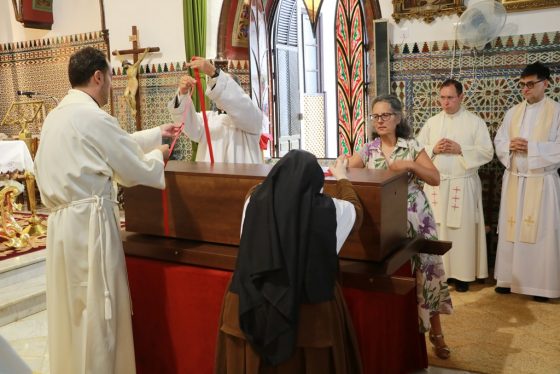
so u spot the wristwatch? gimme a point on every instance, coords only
(216, 73)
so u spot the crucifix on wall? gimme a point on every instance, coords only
(131, 93)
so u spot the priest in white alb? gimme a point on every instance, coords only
(235, 129)
(83, 151)
(528, 145)
(458, 143)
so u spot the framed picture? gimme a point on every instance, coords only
(521, 5)
(427, 10)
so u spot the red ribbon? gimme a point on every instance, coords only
(164, 203)
(165, 212)
(175, 139)
(203, 110)
(164, 191)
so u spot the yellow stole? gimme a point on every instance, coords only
(534, 183)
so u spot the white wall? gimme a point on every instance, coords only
(517, 23)
(70, 17)
(329, 76)
(160, 24)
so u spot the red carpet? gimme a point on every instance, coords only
(35, 243)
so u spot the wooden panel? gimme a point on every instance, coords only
(364, 275)
(356, 274)
(205, 203)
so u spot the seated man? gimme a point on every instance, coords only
(235, 134)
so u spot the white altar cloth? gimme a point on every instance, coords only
(14, 156)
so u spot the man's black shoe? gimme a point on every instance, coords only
(502, 290)
(540, 299)
(461, 286)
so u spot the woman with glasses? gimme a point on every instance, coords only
(394, 149)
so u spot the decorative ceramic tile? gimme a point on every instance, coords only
(489, 78)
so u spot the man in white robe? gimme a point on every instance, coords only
(458, 143)
(82, 152)
(236, 133)
(528, 145)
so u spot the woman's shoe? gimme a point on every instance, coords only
(441, 349)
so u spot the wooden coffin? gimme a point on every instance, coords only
(204, 202)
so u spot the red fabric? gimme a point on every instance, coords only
(387, 329)
(176, 311)
(264, 139)
(177, 307)
(203, 111)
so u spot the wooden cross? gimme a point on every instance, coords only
(135, 51)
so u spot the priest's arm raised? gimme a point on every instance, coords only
(227, 95)
(230, 97)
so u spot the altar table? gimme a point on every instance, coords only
(14, 157)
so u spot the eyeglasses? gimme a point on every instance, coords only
(529, 84)
(383, 116)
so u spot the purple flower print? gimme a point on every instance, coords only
(432, 271)
(426, 227)
(413, 207)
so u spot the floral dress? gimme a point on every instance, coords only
(431, 286)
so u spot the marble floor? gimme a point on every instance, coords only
(28, 337)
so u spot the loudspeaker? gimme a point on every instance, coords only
(381, 66)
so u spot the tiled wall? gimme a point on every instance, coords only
(490, 81)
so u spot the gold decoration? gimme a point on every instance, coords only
(16, 236)
(35, 226)
(23, 114)
(522, 5)
(427, 10)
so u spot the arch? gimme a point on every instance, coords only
(351, 41)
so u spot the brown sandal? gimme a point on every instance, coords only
(442, 351)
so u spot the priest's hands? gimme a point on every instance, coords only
(203, 65)
(186, 85)
(164, 148)
(518, 145)
(445, 145)
(170, 130)
(338, 168)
